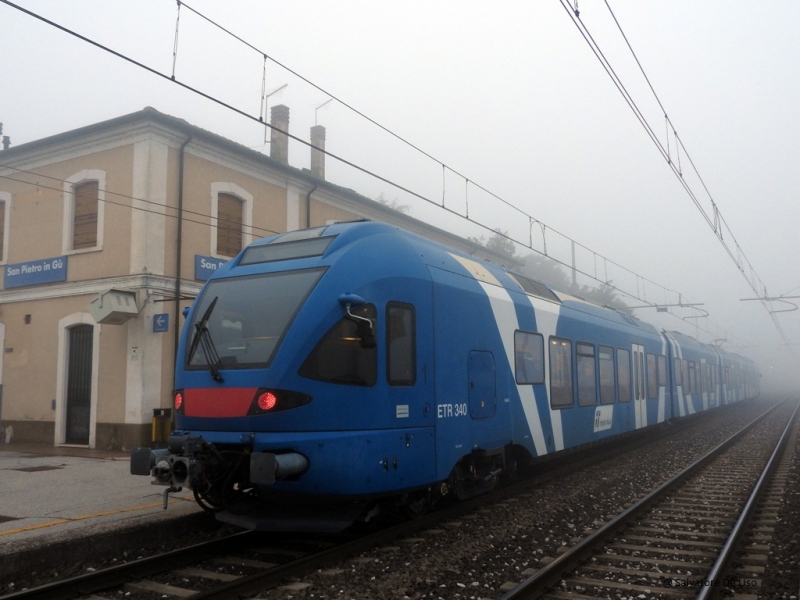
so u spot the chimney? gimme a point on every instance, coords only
(317, 156)
(6, 142)
(279, 143)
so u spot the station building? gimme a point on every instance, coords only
(107, 232)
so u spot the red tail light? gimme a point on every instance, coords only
(178, 403)
(270, 401)
(267, 401)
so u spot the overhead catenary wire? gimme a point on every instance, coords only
(716, 222)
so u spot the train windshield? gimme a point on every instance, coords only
(249, 318)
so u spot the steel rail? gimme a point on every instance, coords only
(726, 555)
(537, 584)
(88, 583)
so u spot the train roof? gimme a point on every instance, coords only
(323, 241)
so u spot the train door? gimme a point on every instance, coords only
(482, 385)
(639, 387)
(409, 363)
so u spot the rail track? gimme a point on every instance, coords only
(249, 562)
(703, 533)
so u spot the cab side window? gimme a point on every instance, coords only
(342, 355)
(401, 355)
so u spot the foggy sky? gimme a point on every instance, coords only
(507, 94)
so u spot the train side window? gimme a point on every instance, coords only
(677, 369)
(624, 374)
(692, 378)
(401, 354)
(528, 357)
(685, 375)
(607, 391)
(662, 370)
(652, 377)
(340, 357)
(587, 375)
(560, 373)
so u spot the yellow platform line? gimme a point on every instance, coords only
(84, 517)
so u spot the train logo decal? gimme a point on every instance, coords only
(603, 418)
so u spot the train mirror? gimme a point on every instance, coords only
(348, 300)
(364, 326)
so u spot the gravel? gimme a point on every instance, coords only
(485, 554)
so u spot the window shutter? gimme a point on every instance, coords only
(229, 225)
(2, 228)
(84, 226)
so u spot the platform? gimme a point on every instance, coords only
(49, 494)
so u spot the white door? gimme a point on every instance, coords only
(639, 387)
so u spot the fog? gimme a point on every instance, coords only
(517, 106)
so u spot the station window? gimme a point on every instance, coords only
(587, 376)
(652, 377)
(229, 224)
(624, 374)
(342, 356)
(401, 353)
(84, 223)
(560, 373)
(5, 201)
(607, 391)
(528, 357)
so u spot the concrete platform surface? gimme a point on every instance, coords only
(51, 494)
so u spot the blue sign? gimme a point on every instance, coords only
(160, 322)
(206, 266)
(35, 272)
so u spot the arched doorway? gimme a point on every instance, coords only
(79, 384)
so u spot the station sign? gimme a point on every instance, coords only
(160, 322)
(35, 272)
(206, 266)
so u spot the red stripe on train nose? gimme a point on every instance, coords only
(218, 402)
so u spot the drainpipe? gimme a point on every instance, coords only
(178, 253)
(308, 206)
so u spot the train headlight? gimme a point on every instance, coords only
(270, 401)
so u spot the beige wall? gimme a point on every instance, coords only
(37, 214)
(134, 366)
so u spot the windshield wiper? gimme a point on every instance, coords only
(202, 336)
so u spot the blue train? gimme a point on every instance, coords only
(328, 374)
